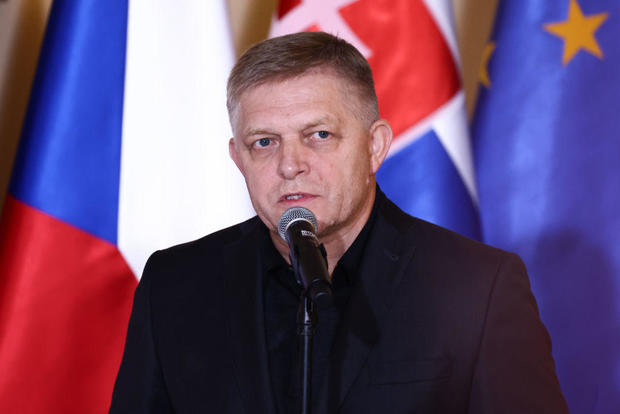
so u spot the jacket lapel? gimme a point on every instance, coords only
(246, 324)
(388, 252)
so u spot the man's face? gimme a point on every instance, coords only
(301, 142)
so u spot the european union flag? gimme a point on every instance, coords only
(547, 154)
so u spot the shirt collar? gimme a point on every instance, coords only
(347, 266)
(272, 259)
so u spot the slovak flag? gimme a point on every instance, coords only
(123, 151)
(412, 50)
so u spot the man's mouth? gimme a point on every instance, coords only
(293, 196)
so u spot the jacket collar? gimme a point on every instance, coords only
(389, 250)
(247, 322)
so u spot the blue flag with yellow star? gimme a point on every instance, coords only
(547, 154)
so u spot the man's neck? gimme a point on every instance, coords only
(337, 243)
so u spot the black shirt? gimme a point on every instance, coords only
(281, 293)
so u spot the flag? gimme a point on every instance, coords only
(123, 151)
(546, 149)
(411, 48)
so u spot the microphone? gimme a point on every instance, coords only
(297, 226)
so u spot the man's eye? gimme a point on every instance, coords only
(263, 142)
(322, 134)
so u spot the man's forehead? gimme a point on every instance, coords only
(299, 89)
(265, 91)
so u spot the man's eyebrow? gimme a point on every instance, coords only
(258, 131)
(324, 120)
(314, 124)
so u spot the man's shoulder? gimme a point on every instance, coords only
(209, 250)
(219, 239)
(437, 243)
(451, 268)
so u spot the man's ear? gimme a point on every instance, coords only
(380, 140)
(232, 151)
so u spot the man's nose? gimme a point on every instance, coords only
(293, 160)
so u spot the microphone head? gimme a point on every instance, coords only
(292, 215)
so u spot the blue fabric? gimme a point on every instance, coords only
(422, 180)
(68, 162)
(547, 155)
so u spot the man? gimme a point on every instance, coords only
(423, 320)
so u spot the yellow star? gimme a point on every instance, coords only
(483, 73)
(578, 32)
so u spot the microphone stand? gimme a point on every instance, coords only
(315, 289)
(306, 324)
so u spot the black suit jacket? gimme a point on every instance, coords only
(437, 323)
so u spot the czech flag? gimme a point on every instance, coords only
(123, 151)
